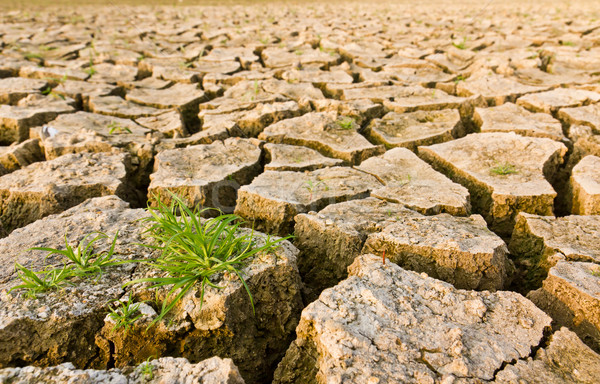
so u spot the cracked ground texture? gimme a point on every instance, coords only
(437, 164)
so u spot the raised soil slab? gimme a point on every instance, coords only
(387, 325)
(505, 173)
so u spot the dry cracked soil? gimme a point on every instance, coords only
(438, 165)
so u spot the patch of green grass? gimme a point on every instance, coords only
(38, 282)
(567, 43)
(147, 369)
(596, 273)
(503, 169)
(193, 251)
(86, 262)
(311, 187)
(116, 128)
(346, 123)
(124, 315)
(461, 45)
(458, 79)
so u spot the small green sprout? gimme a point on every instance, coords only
(346, 123)
(147, 369)
(90, 70)
(458, 79)
(311, 187)
(46, 280)
(194, 250)
(461, 45)
(86, 261)
(503, 169)
(124, 315)
(116, 128)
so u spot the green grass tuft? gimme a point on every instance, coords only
(503, 169)
(46, 280)
(194, 250)
(124, 314)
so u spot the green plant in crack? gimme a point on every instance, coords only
(502, 169)
(116, 128)
(90, 70)
(458, 79)
(147, 369)
(37, 282)
(193, 251)
(125, 314)
(311, 187)
(461, 45)
(346, 123)
(85, 261)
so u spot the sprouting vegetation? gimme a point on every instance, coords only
(125, 314)
(503, 169)
(194, 250)
(81, 262)
(311, 187)
(461, 45)
(346, 123)
(116, 128)
(85, 261)
(147, 369)
(38, 282)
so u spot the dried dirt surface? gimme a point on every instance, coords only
(435, 164)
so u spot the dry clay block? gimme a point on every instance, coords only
(90, 132)
(164, 370)
(283, 157)
(588, 115)
(412, 182)
(15, 120)
(273, 198)
(206, 175)
(185, 98)
(387, 325)
(565, 360)
(20, 155)
(571, 296)
(329, 134)
(61, 326)
(510, 117)
(539, 242)
(459, 250)
(331, 239)
(14, 89)
(552, 101)
(48, 187)
(585, 186)
(410, 130)
(222, 321)
(505, 173)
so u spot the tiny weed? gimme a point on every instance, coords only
(311, 187)
(194, 250)
(124, 314)
(503, 169)
(147, 369)
(346, 123)
(567, 43)
(116, 128)
(596, 273)
(461, 45)
(90, 70)
(46, 280)
(458, 79)
(86, 261)
(298, 52)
